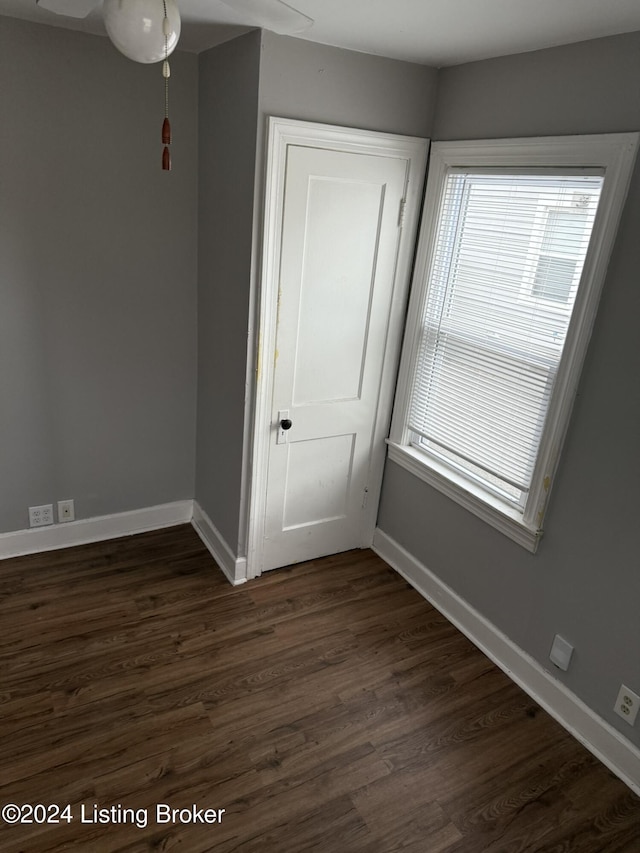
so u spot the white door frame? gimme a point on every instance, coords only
(281, 134)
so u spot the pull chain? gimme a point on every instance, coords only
(166, 72)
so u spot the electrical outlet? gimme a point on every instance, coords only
(561, 652)
(627, 705)
(65, 511)
(39, 516)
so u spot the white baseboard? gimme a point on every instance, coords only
(71, 533)
(50, 538)
(235, 568)
(598, 736)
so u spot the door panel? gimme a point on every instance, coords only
(325, 498)
(335, 271)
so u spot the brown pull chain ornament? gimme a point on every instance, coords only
(166, 141)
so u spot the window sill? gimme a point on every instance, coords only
(499, 515)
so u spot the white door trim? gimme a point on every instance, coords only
(281, 134)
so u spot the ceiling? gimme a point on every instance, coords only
(431, 32)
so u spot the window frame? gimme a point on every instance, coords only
(615, 155)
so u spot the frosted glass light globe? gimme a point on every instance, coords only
(135, 27)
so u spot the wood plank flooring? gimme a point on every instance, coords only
(326, 707)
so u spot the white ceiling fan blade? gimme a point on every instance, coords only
(69, 8)
(273, 15)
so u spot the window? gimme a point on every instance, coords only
(511, 258)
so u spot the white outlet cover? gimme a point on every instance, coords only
(41, 516)
(65, 511)
(627, 705)
(561, 652)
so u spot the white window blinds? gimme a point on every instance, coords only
(508, 257)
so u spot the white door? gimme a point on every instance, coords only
(340, 237)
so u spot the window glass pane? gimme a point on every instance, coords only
(554, 277)
(564, 231)
(563, 244)
(509, 252)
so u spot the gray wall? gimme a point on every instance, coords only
(584, 581)
(314, 82)
(228, 115)
(97, 277)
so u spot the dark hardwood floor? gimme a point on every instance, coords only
(324, 707)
